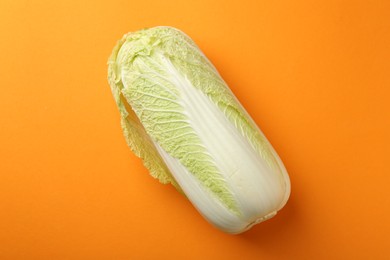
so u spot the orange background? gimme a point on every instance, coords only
(313, 74)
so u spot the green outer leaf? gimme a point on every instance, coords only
(134, 133)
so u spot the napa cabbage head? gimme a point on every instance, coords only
(180, 117)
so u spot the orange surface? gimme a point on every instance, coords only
(315, 75)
